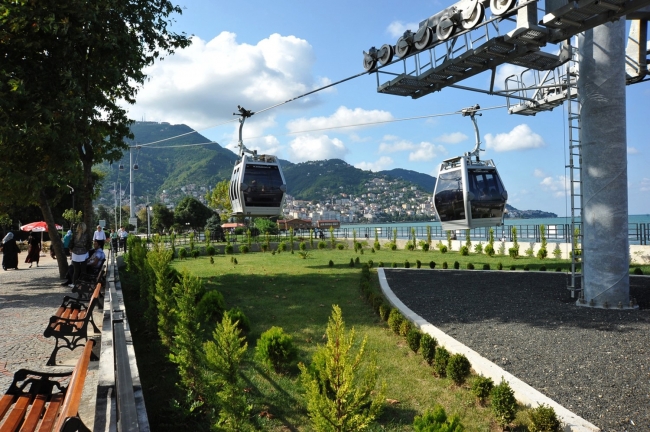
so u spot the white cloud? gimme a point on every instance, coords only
(645, 185)
(519, 138)
(558, 186)
(451, 138)
(506, 70)
(426, 151)
(396, 146)
(382, 163)
(316, 147)
(397, 28)
(202, 85)
(539, 173)
(254, 137)
(342, 117)
(632, 150)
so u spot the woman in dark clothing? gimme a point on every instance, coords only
(10, 252)
(79, 246)
(34, 251)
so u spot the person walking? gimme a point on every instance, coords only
(33, 250)
(114, 240)
(100, 236)
(79, 246)
(123, 235)
(10, 252)
(66, 242)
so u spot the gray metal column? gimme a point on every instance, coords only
(604, 167)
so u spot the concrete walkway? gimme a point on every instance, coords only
(28, 298)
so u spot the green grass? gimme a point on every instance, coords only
(297, 294)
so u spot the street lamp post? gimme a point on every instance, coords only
(149, 208)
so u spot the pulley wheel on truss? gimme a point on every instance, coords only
(445, 28)
(370, 59)
(474, 17)
(404, 44)
(501, 7)
(423, 37)
(386, 53)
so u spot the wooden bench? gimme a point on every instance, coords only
(70, 323)
(86, 284)
(38, 401)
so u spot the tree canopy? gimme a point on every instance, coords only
(191, 212)
(219, 198)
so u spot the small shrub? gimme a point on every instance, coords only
(504, 405)
(513, 252)
(234, 261)
(559, 269)
(637, 271)
(464, 250)
(210, 250)
(275, 348)
(351, 262)
(530, 251)
(442, 248)
(481, 388)
(340, 246)
(357, 261)
(478, 248)
(182, 253)
(489, 250)
(376, 245)
(244, 249)
(542, 253)
(209, 310)
(331, 263)
(437, 421)
(371, 250)
(211, 260)
(456, 265)
(407, 264)
(413, 339)
(394, 265)
(384, 311)
(237, 316)
(432, 264)
(418, 263)
(302, 246)
(486, 266)
(405, 327)
(425, 247)
(526, 267)
(458, 368)
(440, 361)
(322, 245)
(393, 247)
(470, 266)
(195, 253)
(428, 346)
(512, 267)
(282, 247)
(557, 252)
(499, 266)
(381, 264)
(410, 246)
(543, 419)
(229, 250)
(370, 263)
(542, 268)
(395, 319)
(444, 265)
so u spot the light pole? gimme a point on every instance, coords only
(149, 208)
(132, 167)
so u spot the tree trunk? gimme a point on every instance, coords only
(55, 237)
(88, 188)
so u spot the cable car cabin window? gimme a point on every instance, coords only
(486, 187)
(264, 182)
(449, 196)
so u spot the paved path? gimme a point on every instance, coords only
(28, 298)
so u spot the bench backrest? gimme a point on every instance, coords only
(75, 387)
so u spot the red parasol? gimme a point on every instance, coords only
(38, 227)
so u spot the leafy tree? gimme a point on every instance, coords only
(266, 226)
(191, 211)
(339, 386)
(162, 218)
(219, 198)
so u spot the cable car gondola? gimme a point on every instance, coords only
(469, 192)
(257, 184)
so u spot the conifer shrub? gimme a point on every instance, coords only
(234, 261)
(210, 250)
(322, 245)
(405, 327)
(557, 252)
(302, 246)
(210, 309)
(407, 264)
(513, 252)
(442, 248)
(504, 405)
(526, 267)
(464, 250)
(481, 388)
(393, 246)
(331, 263)
(478, 248)
(395, 319)
(559, 269)
(437, 421)
(340, 246)
(499, 266)
(376, 245)
(384, 310)
(440, 361)
(410, 247)
(211, 260)
(418, 263)
(445, 265)
(456, 265)
(458, 368)
(470, 266)
(239, 318)
(394, 265)
(543, 419)
(357, 261)
(486, 266)
(638, 271)
(182, 253)
(351, 262)
(542, 253)
(377, 302)
(413, 339)
(512, 267)
(276, 349)
(372, 250)
(428, 346)
(370, 263)
(244, 249)
(282, 246)
(432, 264)
(542, 268)
(381, 264)
(489, 250)
(425, 247)
(195, 253)
(229, 249)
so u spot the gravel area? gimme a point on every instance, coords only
(594, 362)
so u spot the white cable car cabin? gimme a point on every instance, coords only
(469, 192)
(257, 185)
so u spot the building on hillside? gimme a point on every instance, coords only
(296, 224)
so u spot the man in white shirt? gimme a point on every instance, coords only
(100, 236)
(123, 234)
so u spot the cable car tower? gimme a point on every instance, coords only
(463, 40)
(257, 185)
(469, 192)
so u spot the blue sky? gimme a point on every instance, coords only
(257, 54)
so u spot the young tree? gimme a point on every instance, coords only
(219, 198)
(338, 384)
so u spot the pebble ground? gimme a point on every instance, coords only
(594, 362)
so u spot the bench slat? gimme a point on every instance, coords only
(34, 415)
(50, 414)
(75, 388)
(17, 413)
(5, 403)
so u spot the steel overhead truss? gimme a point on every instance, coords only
(454, 44)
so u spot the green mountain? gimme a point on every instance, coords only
(424, 181)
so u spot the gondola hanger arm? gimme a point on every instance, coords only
(243, 115)
(472, 112)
